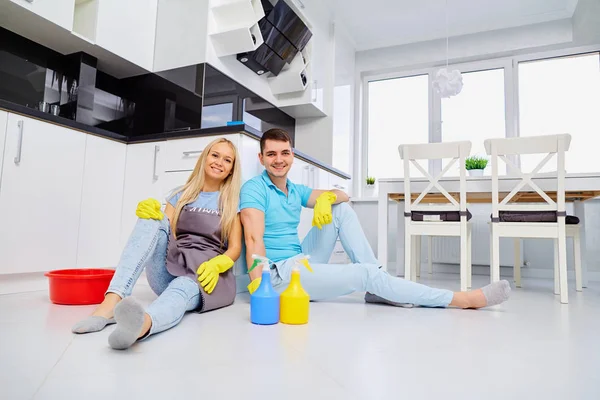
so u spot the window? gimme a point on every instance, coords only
(398, 113)
(477, 113)
(562, 95)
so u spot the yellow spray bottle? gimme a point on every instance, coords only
(294, 301)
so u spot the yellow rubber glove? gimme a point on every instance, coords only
(208, 272)
(149, 209)
(254, 285)
(322, 213)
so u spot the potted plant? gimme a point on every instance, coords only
(475, 165)
(370, 188)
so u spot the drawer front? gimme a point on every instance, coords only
(182, 154)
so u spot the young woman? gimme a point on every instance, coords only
(188, 254)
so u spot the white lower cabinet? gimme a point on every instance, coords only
(144, 178)
(101, 203)
(40, 197)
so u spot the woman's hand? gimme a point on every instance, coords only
(149, 209)
(208, 272)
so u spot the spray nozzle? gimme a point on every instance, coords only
(302, 259)
(259, 260)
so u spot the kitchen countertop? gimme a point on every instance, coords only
(179, 134)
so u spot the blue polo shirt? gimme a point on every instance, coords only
(282, 213)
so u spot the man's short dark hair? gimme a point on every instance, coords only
(276, 134)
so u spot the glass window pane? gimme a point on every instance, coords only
(562, 95)
(476, 113)
(398, 114)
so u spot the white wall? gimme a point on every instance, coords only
(586, 22)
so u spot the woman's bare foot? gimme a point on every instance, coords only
(490, 295)
(102, 316)
(106, 309)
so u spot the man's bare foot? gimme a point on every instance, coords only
(489, 295)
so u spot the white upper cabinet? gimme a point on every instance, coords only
(127, 29)
(59, 12)
(40, 197)
(316, 99)
(181, 34)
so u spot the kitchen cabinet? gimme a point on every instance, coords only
(101, 204)
(144, 178)
(59, 12)
(127, 29)
(181, 34)
(40, 197)
(316, 99)
(3, 121)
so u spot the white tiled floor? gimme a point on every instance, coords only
(529, 348)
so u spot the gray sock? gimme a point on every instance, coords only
(129, 315)
(496, 293)
(373, 298)
(93, 323)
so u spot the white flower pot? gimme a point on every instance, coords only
(475, 172)
(369, 191)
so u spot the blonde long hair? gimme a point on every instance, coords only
(229, 195)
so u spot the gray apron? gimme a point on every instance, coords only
(199, 240)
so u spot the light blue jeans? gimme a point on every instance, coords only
(147, 248)
(364, 274)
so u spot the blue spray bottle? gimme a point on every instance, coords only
(264, 302)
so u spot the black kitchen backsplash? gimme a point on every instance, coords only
(197, 96)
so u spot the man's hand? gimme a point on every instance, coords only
(149, 209)
(322, 214)
(208, 272)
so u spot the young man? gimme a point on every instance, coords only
(270, 211)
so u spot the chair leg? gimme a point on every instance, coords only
(556, 273)
(562, 260)
(418, 256)
(430, 253)
(517, 262)
(495, 250)
(577, 256)
(469, 255)
(407, 250)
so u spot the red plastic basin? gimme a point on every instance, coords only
(78, 286)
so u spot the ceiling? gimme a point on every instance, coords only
(382, 23)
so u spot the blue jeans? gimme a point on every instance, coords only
(147, 248)
(364, 274)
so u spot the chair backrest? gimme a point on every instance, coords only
(550, 145)
(456, 151)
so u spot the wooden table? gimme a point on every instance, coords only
(578, 188)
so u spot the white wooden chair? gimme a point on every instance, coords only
(573, 231)
(501, 149)
(432, 223)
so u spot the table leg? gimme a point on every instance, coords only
(382, 228)
(579, 211)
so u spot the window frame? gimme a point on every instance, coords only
(511, 99)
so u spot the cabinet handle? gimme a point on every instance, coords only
(314, 92)
(19, 143)
(189, 153)
(154, 174)
(339, 187)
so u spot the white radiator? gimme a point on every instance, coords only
(446, 250)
